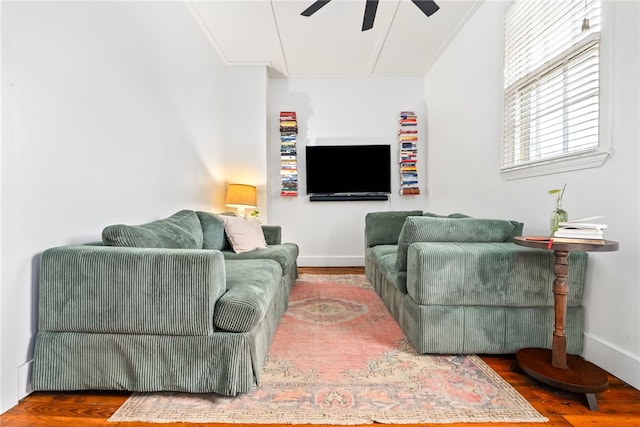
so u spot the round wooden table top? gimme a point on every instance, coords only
(542, 242)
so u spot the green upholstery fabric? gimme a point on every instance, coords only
(250, 288)
(464, 329)
(152, 318)
(517, 226)
(224, 362)
(433, 229)
(455, 329)
(387, 266)
(453, 215)
(180, 230)
(383, 228)
(465, 297)
(104, 289)
(285, 254)
(488, 274)
(272, 234)
(213, 236)
(220, 362)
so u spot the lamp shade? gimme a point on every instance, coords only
(241, 196)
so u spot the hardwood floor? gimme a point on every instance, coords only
(618, 406)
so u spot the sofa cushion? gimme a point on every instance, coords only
(387, 266)
(383, 228)
(285, 255)
(517, 226)
(244, 233)
(378, 251)
(453, 215)
(213, 236)
(250, 287)
(181, 230)
(435, 229)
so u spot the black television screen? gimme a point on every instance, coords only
(335, 169)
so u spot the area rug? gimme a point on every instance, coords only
(339, 357)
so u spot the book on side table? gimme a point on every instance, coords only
(580, 231)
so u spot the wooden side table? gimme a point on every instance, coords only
(554, 367)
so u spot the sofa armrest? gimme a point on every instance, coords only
(272, 234)
(488, 274)
(103, 289)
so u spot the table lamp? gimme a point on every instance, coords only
(241, 196)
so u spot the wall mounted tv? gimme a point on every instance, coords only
(348, 172)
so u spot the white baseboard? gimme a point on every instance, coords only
(24, 379)
(334, 261)
(616, 361)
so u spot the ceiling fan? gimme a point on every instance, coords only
(428, 7)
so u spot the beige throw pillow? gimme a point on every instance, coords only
(244, 233)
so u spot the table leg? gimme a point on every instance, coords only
(592, 401)
(570, 373)
(554, 366)
(560, 293)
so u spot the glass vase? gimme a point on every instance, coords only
(557, 216)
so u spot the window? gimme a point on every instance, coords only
(551, 82)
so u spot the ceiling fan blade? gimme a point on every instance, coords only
(428, 7)
(314, 7)
(369, 14)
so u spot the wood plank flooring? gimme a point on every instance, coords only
(618, 406)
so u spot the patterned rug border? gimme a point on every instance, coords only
(130, 410)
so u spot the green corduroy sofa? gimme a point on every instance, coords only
(166, 305)
(459, 285)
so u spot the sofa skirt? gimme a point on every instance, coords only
(66, 361)
(224, 362)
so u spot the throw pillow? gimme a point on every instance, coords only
(212, 231)
(244, 233)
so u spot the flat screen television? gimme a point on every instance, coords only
(348, 169)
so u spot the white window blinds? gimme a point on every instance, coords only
(551, 78)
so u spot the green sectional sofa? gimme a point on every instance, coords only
(459, 285)
(167, 305)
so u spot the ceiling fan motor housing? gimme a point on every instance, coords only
(428, 7)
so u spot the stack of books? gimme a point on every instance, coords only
(580, 231)
(408, 139)
(288, 153)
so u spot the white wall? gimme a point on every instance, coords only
(464, 104)
(111, 112)
(339, 111)
(246, 130)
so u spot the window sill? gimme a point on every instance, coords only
(548, 167)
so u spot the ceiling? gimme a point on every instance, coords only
(329, 43)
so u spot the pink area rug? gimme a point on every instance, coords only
(339, 357)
